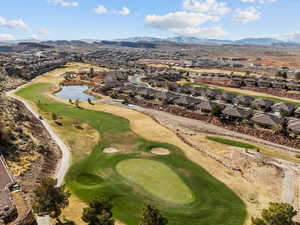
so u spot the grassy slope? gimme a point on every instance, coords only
(96, 175)
(231, 142)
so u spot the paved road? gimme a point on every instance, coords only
(136, 80)
(5, 177)
(66, 154)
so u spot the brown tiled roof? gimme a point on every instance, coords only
(208, 105)
(294, 126)
(262, 102)
(283, 106)
(237, 112)
(267, 119)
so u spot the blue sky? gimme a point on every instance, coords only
(111, 19)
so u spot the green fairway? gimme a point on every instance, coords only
(183, 191)
(231, 142)
(157, 179)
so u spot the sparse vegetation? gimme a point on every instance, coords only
(152, 216)
(277, 214)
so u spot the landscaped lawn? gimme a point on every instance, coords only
(184, 192)
(231, 142)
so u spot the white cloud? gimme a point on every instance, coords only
(259, 1)
(207, 6)
(14, 24)
(43, 31)
(100, 9)
(64, 3)
(189, 22)
(6, 37)
(247, 15)
(177, 20)
(123, 11)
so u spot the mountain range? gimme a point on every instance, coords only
(194, 40)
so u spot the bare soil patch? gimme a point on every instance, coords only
(160, 151)
(110, 150)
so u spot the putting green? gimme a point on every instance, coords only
(157, 179)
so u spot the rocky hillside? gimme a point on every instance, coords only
(25, 144)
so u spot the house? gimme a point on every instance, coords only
(198, 91)
(278, 85)
(294, 127)
(209, 107)
(212, 94)
(244, 100)
(227, 97)
(267, 120)
(293, 87)
(297, 112)
(283, 107)
(262, 104)
(186, 89)
(236, 82)
(168, 97)
(250, 82)
(187, 101)
(129, 89)
(234, 112)
(173, 86)
(263, 83)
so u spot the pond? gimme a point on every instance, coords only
(74, 93)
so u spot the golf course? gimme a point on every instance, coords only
(133, 176)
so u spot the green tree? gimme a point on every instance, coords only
(216, 110)
(98, 213)
(91, 73)
(152, 216)
(284, 75)
(66, 222)
(297, 76)
(49, 199)
(279, 74)
(54, 116)
(276, 214)
(77, 103)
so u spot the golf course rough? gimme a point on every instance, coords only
(197, 198)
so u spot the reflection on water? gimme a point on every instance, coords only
(74, 93)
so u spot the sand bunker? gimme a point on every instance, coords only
(110, 150)
(160, 151)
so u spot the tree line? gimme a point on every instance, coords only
(50, 199)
